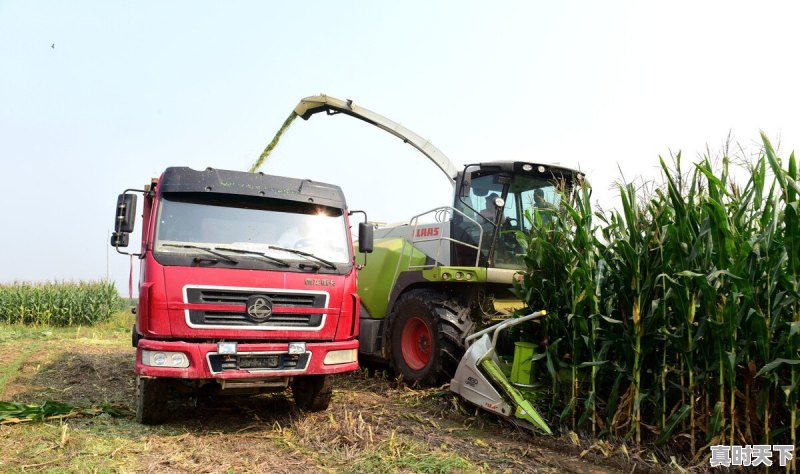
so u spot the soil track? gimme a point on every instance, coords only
(374, 424)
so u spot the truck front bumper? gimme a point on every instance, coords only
(251, 360)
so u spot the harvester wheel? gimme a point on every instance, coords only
(152, 399)
(427, 335)
(312, 392)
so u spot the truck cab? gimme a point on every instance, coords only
(247, 284)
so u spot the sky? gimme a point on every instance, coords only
(97, 97)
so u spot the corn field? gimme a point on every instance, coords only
(674, 319)
(59, 303)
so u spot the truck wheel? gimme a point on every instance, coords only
(152, 397)
(312, 392)
(427, 333)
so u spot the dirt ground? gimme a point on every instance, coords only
(374, 424)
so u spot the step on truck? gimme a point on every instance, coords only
(247, 285)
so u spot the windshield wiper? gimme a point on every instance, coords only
(280, 262)
(328, 264)
(200, 247)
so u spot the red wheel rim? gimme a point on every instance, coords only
(415, 343)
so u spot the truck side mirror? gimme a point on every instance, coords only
(365, 238)
(125, 217)
(119, 239)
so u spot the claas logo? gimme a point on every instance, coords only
(427, 232)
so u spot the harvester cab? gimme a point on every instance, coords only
(449, 272)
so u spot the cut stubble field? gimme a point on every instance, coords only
(375, 423)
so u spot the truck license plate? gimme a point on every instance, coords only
(259, 361)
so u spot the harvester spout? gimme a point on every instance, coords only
(323, 103)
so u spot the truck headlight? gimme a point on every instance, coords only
(165, 359)
(159, 358)
(340, 357)
(178, 359)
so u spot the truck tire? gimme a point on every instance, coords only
(152, 399)
(426, 335)
(312, 392)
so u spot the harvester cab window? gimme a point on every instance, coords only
(526, 193)
(482, 198)
(481, 205)
(544, 199)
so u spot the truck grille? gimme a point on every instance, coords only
(237, 315)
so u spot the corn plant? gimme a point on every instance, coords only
(677, 313)
(58, 303)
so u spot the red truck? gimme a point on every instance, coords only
(247, 285)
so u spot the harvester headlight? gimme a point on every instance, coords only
(445, 276)
(541, 169)
(459, 275)
(527, 167)
(468, 276)
(165, 359)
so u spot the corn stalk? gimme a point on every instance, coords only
(680, 303)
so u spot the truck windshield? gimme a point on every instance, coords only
(252, 225)
(521, 192)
